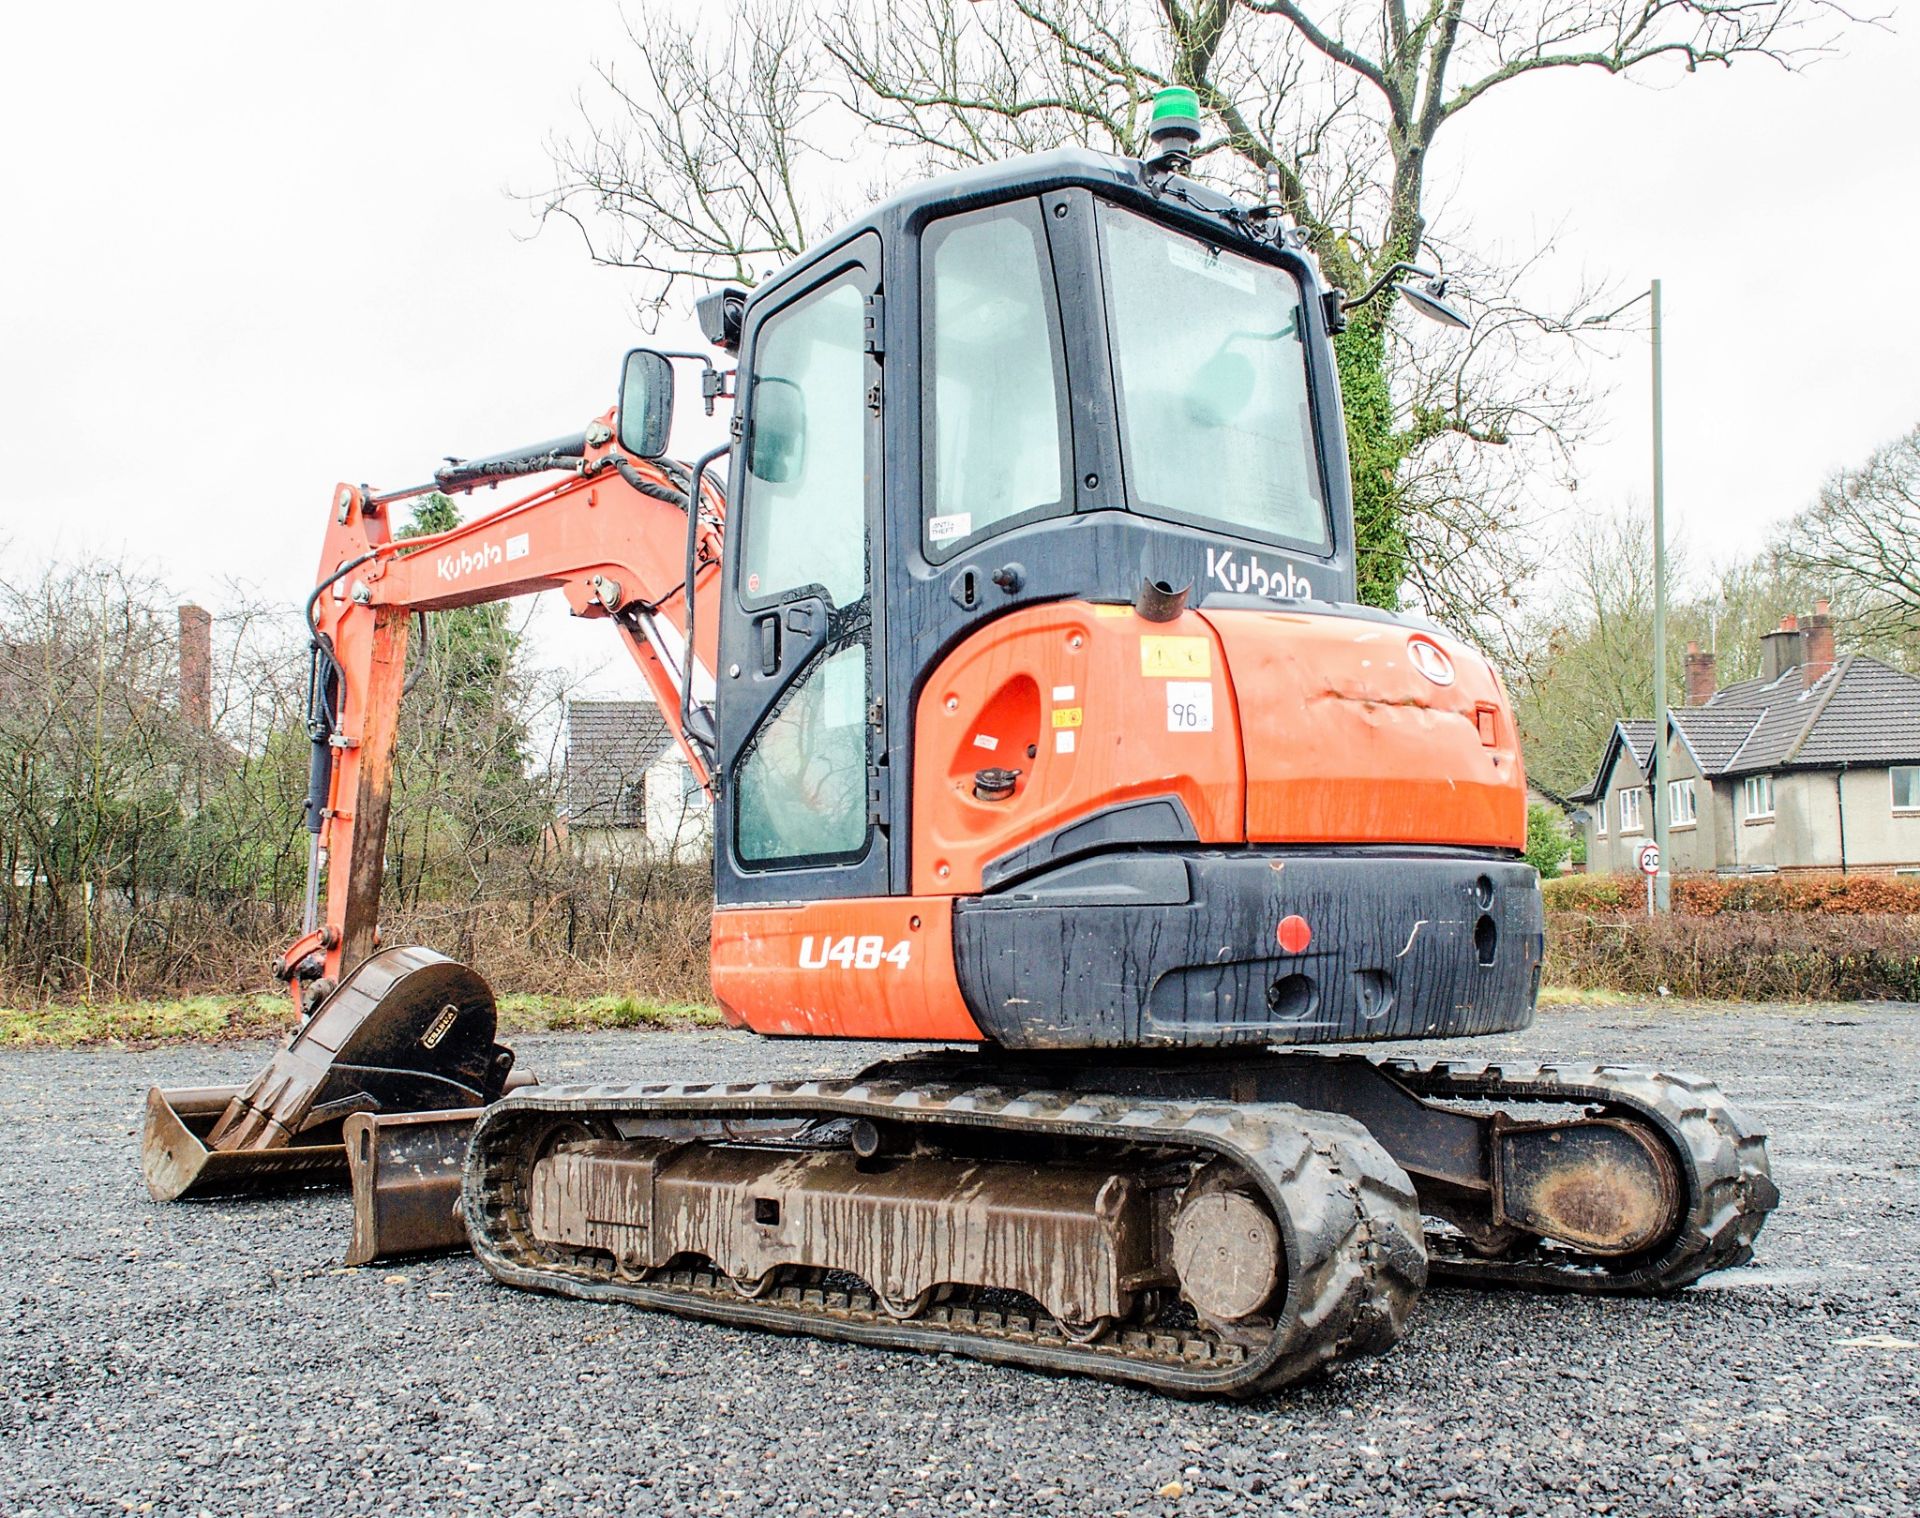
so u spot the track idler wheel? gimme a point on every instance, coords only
(1605, 1186)
(1227, 1251)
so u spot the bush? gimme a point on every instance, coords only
(1715, 895)
(1589, 893)
(1771, 955)
(1549, 840)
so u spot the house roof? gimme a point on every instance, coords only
(1637, 734)
(1712, 736)
(1758, 691)
(1548, 794)
(1871, 716)
(1632, 734)
(610, 746)
(1861, 712)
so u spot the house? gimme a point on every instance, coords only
(1814, 764)
(631, 796)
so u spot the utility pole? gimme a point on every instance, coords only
(1663, 881)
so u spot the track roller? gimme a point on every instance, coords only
(1198, 1249)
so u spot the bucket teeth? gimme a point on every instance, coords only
(407, 1031)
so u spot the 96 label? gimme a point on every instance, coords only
(1189, 706)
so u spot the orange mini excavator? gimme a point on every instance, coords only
(1022, 662)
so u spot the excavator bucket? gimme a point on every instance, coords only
(407, 1031)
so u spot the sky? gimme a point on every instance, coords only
(252, 250)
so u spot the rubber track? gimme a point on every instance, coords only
(1723, 1161)
(1349, 1220)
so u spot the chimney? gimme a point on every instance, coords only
(196, 667)
(1700, 676)
(1780, 650)
(1819, 643)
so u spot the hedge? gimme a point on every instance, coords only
(1715, 895)
(1733, 955)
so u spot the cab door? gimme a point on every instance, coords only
(800, 665)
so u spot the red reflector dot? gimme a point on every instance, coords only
(1294, 934)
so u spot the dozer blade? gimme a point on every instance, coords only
(406, 1173)
(408, 1030)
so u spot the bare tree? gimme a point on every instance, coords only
(705, 158)
(1861, 541)
(737, 143)
(1589, 663)
(1337, 107)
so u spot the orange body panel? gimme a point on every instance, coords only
(1064, 694)
(1270, 726)
(879, 967)
(1348, 742)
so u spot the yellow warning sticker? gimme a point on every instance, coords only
(1113, 611)
(1066, 716)
(1176, 658)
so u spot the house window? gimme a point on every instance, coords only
(1680, 805)
(1758, 793)
(1629, 811)
(1906, 787)
(1600, 819)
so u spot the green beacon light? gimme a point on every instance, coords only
(1174, 128)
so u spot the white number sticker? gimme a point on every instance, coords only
(868, 952)
(1189, 706)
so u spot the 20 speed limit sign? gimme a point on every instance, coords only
(1649, 859)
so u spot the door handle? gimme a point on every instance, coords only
(767, 630)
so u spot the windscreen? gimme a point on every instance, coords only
(1210, 362)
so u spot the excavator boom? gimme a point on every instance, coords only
(612, 537)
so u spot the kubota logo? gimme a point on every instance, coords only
(451, 566)
(1279, 582)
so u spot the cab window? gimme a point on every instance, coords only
(804, 502)
(996, 422)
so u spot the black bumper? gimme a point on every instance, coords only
(1151, 950)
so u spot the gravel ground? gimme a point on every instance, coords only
(211, 1357)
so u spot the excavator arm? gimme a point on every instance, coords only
(396, 1053)
(612, 537)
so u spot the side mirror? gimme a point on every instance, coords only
(776, 431)
(646, 403)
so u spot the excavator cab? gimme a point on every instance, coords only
(1037, 636)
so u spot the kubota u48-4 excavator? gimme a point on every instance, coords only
(1023, 663)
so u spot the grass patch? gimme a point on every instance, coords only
(565, 1014)
(197, 1019)
(1587, 996)
(219, 1019)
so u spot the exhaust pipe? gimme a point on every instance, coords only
(1157, 601)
